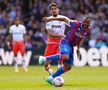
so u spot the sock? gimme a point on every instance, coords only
(59, 65)
(15, 62)
(23, 62)
(49, 70)
(58, 72)
(55, 57)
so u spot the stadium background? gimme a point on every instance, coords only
(32, 11)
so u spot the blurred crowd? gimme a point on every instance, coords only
(32, 11)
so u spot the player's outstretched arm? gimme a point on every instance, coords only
(78, 47)
(46, 19)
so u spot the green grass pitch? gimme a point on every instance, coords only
(79, 78)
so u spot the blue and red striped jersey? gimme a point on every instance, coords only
(76, 32)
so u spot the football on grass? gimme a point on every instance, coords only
(58, 81)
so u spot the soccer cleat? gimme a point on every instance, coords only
(16, 70)
(50, 81)
(41, 60)
(25, 69)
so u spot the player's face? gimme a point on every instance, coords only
(17, 21)
(86, 23)
(54, 11)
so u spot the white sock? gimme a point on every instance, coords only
(50, 71)
(59, 65)
(15, 62)
(23, 62)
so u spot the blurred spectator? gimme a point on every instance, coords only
(2, 29)
(92, 42)
(100, 43)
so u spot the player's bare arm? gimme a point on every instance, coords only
(46, 19)
(80, 43)
(78, 46)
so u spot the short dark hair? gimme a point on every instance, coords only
(17, 18)
(87, 17)
(53, 4)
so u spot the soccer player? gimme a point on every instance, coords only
(55, 30)
(18, 30)
(73, 38)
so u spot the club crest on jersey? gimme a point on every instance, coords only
(79, 29)
(79, 35)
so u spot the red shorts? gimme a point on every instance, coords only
(18, 46)
(51, 49)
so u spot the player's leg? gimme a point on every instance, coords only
(56, 57)
(22, 51)
(48, 51)
(48, 67)
(60, 63)
(66, 50)
(67, 65)
(64, 68)
(51, 49)
(15, 51)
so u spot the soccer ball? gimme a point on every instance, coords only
(58, 81)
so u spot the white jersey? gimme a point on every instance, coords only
(17, 32)
(57, 27)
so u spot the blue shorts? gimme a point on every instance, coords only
(65, 48)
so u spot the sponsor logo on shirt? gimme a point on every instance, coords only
(56, 26)
(79, 35)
